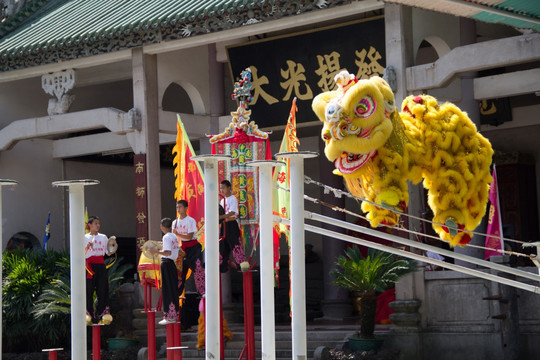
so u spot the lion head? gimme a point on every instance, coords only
(357, 120)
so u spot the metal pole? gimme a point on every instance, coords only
(298, 263)
(2, 183)
(151, 321)
(459, 268)
(249, 321)
(211, 253)
(77, 264)
(266, 252)
(169, 328)
(96, 342)
(419, 245)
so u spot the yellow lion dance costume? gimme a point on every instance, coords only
(376, 149)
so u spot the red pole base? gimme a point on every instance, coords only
(53, 353)
(177, 340)
(249, 319)
(151, 335)
(170, 341)
(96, 342)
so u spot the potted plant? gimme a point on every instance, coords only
(369, 276)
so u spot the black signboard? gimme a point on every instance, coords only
(304, 65)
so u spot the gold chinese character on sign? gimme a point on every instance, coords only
(139, 168)
(191, 167)
(256, 84)
(140, 241)
(365, 69)
(200, 189)
(141, 217)
(328, 68)
(486, 109)
(140, 191)
(294, 77)
(190, 192)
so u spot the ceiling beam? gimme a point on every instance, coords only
(509, 84)
(515, 50)
(112, 119)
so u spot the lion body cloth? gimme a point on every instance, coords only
(378, 149)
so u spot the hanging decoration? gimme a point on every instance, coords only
(377, 149)
(244, 142)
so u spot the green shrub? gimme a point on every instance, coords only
(36, 298)
(25, 275)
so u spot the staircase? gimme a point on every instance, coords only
(233, 348)
(331, 335)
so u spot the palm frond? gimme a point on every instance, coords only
(375, 272)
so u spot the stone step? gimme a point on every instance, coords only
(310, 336)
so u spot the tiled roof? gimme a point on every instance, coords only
(65, 29)
(523, 14)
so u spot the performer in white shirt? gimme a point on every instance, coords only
(231, 242)
(185, 228)
(96, 274)
(169, 273)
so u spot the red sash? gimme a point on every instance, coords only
(92, 260)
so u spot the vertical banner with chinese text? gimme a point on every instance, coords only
(494, 240)
(244, 179)
(141, 205)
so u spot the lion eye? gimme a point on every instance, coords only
(365, 107)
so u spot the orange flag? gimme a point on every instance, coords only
(189, 179)
(280, 177)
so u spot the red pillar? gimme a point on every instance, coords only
(96, 342)
(177, 340)
(170, 341)
(151, 335)
(53, 353)
(249, 320)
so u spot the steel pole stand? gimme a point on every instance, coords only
(96, 341)
(151, 316)
(52, 353)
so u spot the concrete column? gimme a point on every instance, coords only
(217, 96)
(146, 141)
(77, 264)
(298, 259)
(398, 38)
(470, 106)
(217, 109)
(211, 253)
(3, 182)
(399, 55)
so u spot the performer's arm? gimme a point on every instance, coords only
(186, 236)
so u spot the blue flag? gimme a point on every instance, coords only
(47, 232)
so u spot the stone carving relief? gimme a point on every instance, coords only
(59, 84)
(11, 7)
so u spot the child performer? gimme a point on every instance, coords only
(96, 274)
(169, 273)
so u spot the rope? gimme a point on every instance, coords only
(328, 189)
(338, 193)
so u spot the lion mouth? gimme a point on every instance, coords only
(348, 163)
